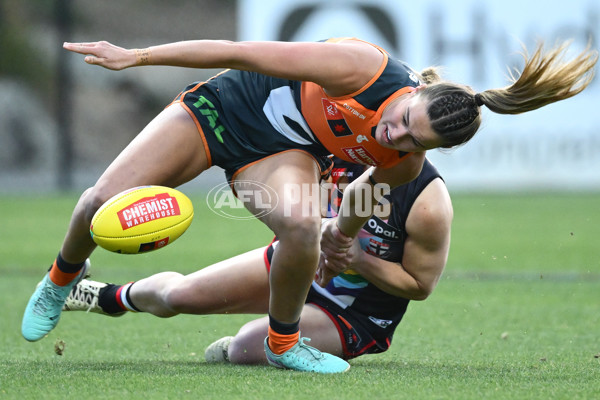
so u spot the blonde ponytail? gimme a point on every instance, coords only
(454, 109)
(546, 78)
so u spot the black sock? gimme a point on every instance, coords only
(284, 328)
(110, 298)
(107, 299)
(67, 267)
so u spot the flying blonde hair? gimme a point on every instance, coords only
(547, 77)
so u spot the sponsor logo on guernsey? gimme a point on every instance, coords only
(360, 155)
(335, 119)
(384, 323)
(208, 109)
(413, 77)
(377, 229)
(377, 247)
(340, 172)
(148, 209)
(354, 111)
(361, 138)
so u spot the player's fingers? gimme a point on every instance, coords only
(335, 266)
(335, 248)
(94, 60)
(81, 48)
(325, 276)
(333, 253)
(323, 282)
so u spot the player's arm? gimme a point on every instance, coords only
(341, 68)
(358, 205)
(351, 213)
(425, 250)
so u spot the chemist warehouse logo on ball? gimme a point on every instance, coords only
(148, 209)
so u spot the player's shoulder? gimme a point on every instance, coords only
(433, 205)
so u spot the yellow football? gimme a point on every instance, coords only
(142, 219)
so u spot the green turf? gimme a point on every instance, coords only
(515, 315)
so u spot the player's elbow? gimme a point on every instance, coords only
(422, 291)
(416, 292)
(421, 295)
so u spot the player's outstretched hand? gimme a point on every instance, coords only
(104, 54)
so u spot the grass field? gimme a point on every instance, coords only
(516, 314)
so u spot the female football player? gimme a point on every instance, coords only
(272, 118)
(398, 256)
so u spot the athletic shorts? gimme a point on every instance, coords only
(232, 151)
(358, 334)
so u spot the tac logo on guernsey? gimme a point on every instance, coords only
(148, 209)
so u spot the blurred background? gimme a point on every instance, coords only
(63, 121)
(516, 312)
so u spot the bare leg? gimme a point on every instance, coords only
(168, 152)
(296, 223)
(237, 285)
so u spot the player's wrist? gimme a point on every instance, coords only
(341, 234)
(143, 56)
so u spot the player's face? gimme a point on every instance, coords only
(405, 126)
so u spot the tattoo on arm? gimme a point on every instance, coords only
(143, 56)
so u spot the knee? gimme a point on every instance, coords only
(247, 346)
(302, 236)
(302, 232)
(90, 201)
(93, 198)
(174, 295)
(237, 352)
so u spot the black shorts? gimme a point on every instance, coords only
(358, 334)
(230, 149)
(354, 329)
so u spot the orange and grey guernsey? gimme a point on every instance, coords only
(244, 116)
(346, 125)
